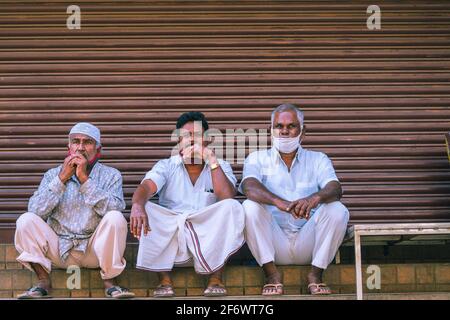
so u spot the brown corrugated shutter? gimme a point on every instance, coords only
(377, 102)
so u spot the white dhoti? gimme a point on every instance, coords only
(208, 236)
(315, 243)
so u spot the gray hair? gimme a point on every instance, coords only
(288, 107)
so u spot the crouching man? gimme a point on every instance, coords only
(75, 218)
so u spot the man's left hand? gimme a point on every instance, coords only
(209, 155)
(301, 208)
(81, 172)
(199, 152)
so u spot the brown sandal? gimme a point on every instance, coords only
(215, 290)
(272, 289)
(319, 289)
(164, 291)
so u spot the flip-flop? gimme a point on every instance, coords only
(215, 290)
(34, 293)
(319, 289)
(118, 292)
(278, 289)
(164, 291)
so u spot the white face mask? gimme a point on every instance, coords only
(286, 145)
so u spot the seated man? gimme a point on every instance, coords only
(196, 218)
(293, 214)
(74, 218)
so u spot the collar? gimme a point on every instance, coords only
(176, 159)
(276, 157)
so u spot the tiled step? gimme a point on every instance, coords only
(368, 296)
(240, 280)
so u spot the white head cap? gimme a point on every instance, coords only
(87, 129)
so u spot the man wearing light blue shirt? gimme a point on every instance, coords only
(293, 214)
(75, 218)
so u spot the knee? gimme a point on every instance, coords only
(234, 207)
(115, 219)
(337, 212)
(25, 221)
(251, 210)
(232, 203)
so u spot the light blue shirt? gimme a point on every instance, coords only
(175, 188)
(73, 210)
(310, 171)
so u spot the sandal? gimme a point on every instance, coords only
(164, 291)
(118, 292)
(272, 289)
(319, 289)
(215, 290)
(34, 293)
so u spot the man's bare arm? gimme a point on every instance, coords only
(256, 191)
(223, 188)
(144, 192)
(331, 192)
(138, 217)
(301, 208)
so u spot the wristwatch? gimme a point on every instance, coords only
(214, 166)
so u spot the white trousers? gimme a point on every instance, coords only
(38, 243)
(208, 237)
(315, 243)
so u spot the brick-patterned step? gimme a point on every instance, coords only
(368, 296)
(240, 280)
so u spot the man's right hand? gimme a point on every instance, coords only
(282, 205)
(139, 221)
(68, 169)
(290, 207)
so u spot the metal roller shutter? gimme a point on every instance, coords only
(377, 102)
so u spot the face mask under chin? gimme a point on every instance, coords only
(286, 145)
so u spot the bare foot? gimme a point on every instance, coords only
(215, 287)
(273, 284)
(315, 286)
(165, 287)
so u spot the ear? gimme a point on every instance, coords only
(303, 133)
(207, 142)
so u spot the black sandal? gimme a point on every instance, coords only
(34, 293)
(118, 292)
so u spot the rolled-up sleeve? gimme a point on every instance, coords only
(103, 200)
(325, 171)
(252, 169)
(48, 195)
(226, 167)
(158, 174)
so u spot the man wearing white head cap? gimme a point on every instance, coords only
(75, 218)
